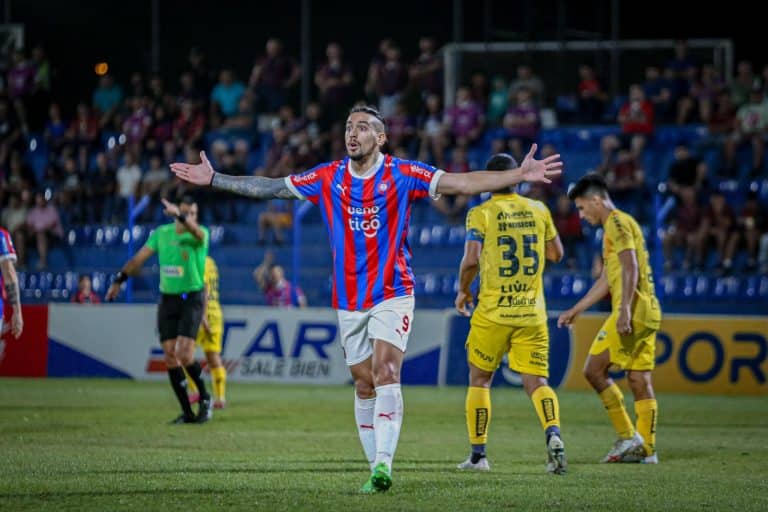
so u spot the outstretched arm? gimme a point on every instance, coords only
(131, 267)
(251, 186)
(475, 182)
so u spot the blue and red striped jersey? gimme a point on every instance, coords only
(367, 219)
(7, 252)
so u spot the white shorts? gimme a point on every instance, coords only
(390, 321)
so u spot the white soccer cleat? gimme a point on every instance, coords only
(622, 447)
(481, 465)
(556, 463)
(641, 456)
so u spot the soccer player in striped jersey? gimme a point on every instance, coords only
(10, 291)
(365, 201)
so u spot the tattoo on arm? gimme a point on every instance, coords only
(12, 293)
(253, 186)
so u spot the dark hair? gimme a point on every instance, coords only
(366, 109)
(588, 185)
(188, 200)
(501, 162)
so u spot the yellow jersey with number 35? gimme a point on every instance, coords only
(621, 233)
(514, 231)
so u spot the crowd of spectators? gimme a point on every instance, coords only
(103, 153)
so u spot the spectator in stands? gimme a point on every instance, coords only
(686, 172)
(275, 219)
(100, 192)
(389, 81)
(10, 131)
(334, 81)
(464, 121)
(522, 122)
(20, 175)
(55, 129)
(44, 226)
(128, 179)
(42, 69)
(454, 207)
(720, 123)
(426, 72)
(591, 98)
(154, 181)
(137, 89)
(682, 230)
(160, 132)
(478, 86)
(526, 79)
(626, 182)
(659, 92)
(107, 98)
(70, 196)
(636, 120)
(568, 224)
(14, 220)
(751, 125)
(498, 101)
(702, 95)
(188, 127)
(315, 126)
(189, 91)
(717, 224)
(273, 76)
(432, 132)
(137, 124)
(374, 68)
(83, 132)
(225, 97)
(742, 84)
(750, 225)
(85, 293)
(400, 127)
(278, 291)
(21, 78)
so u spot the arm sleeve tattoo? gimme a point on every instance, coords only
(12, 293)
(253, 186)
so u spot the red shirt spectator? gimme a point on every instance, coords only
(636, 115)
(84, 294)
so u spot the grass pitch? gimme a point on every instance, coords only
(105, 445)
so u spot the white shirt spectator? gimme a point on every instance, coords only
(128, 178)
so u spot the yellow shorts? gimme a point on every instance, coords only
(527, 347)
(211, 341)
(636, 351)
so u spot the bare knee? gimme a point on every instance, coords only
(479, 378)
(364, 388)
(169, 355)
(640, 384)
(533, 382)
(596, 376)
(385, 373)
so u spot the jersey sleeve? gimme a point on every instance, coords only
(550, 231)
(153, 241)
(619, 232)
(308, 185)
(7, 251)
(422, 179)
(475, 225)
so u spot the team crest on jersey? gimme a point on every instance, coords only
(383, 187)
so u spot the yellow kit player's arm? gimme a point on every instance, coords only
(204, 323)
(470, 263)
(596, 293)
(554, 249)
(628, 260)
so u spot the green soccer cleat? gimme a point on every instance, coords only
(381, 477)
(368, 487)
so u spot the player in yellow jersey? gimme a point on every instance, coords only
(627, 339)
(209, 336)
(508, 239)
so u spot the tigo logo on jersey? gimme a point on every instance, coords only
(369, 227)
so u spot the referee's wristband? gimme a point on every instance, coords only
(121, 277)
(181, 218)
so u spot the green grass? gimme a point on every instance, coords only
(105, 445)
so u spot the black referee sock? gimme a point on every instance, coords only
(195, 373)
(177, 377)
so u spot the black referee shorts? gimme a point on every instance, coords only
(179, 315)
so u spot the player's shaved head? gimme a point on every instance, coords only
(501, 162)
(377, 123)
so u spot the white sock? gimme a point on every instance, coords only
(364, 408)
(388, 417)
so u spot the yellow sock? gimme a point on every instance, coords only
(219, 378)
(613, 400)
(647, 412)
(478, 409)
(547, 407)
(191, 387)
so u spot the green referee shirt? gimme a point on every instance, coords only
(182, 258)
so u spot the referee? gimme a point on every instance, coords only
(181, 248)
